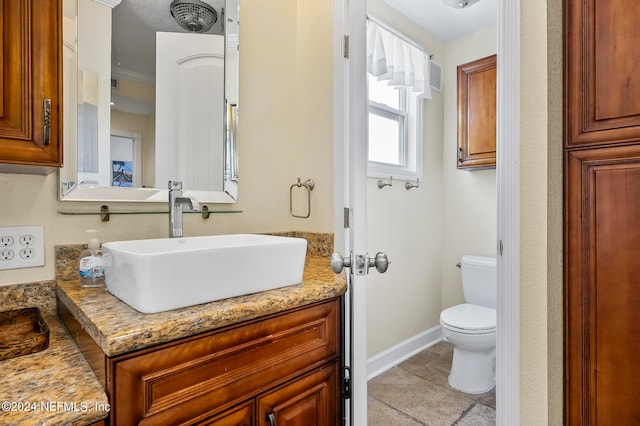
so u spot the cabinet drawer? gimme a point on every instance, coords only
(209, 373)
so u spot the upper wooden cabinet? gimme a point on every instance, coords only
(31, 84)
(602, 106)
(477, 114)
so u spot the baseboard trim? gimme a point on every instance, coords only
(404, 350)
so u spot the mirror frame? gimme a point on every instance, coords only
(69, 190)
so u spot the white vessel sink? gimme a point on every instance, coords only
(169, 273)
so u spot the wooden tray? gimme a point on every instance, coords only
(22, 332)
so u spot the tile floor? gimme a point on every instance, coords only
(416, 392)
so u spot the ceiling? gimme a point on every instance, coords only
(135, 23)
(134, 27)
(447, 23)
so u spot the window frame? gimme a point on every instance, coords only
(409, 140)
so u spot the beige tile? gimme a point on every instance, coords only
(437, 376)
(420, 359)
(488, 399)
(443, 363)
(479, 415)
(379, 414)
(419, 398)
(424, 365)
(442, 348)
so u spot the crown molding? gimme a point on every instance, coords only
(109, 3)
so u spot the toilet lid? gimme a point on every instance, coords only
(469, 317)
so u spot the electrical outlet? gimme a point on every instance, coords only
(21, 247)
(6, 254)
(27, 240)
(27, 253)
(6, 241)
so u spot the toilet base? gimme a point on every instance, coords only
(473, 372)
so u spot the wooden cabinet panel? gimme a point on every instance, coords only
(602, 61)
(477, 114)
(209, 373)
(602, 289)
(310, 400)
(30, 64)
(242, 415)
(602, 212)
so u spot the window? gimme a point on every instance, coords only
(387, 123)
(393, 131)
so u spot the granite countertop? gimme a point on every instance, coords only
(55, 386)
(117, 328)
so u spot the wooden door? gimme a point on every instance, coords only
(477, 114)
(31, 68)
(189, 110)
(603, 286)
(602, 212)
(603, 79)
(313, 400)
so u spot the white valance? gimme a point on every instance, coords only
(391, 58)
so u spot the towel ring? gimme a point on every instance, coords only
(308, 184)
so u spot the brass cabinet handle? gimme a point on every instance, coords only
(47, 121)
(271, 418)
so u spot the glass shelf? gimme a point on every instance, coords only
(105, 212)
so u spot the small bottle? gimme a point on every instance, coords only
(91, 265)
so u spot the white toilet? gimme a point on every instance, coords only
(471, 327)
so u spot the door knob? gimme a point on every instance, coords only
(380, 262)
(360, 263)
(338, 262)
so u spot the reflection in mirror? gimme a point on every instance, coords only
(162, 106)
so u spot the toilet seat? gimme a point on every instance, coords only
(469, 319)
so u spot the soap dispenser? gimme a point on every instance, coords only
(91, 266)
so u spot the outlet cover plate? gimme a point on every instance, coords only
(22, 247)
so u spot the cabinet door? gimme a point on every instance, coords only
(31, 79)
(312, 400)
(477, 114)
(602, 78)
(602, 288)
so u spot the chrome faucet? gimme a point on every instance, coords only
(176, 203)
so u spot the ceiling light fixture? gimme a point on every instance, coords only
(193, 15)
(459, 4)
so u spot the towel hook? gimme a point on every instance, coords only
(382, 184)
(408, 185)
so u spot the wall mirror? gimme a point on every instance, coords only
(150, 95)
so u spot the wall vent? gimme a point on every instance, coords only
(114, 83)
(435, 75)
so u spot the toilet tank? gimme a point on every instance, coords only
(479, 280)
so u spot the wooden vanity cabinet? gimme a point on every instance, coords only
(283, 369)
(30, 137)
(477, 114)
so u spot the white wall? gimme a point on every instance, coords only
(426, 230)
(273, 152)
(286, 107)
(470, 206)
(407, 225)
